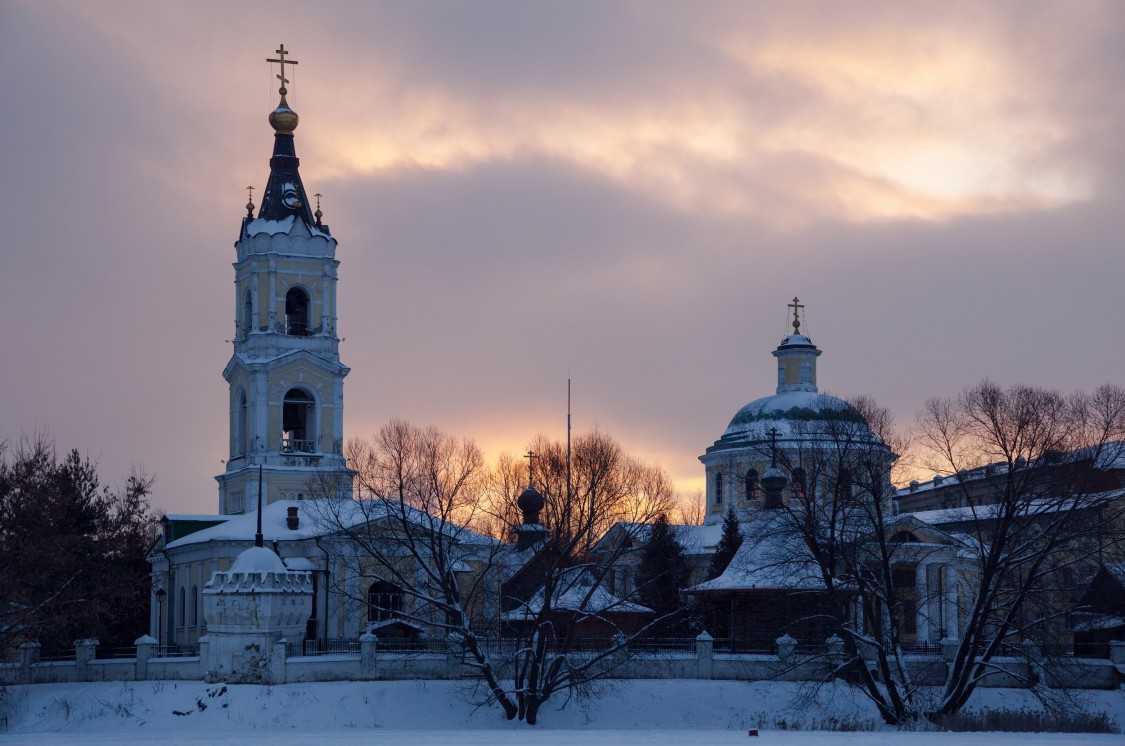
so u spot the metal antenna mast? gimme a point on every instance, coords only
(258, 536)
(568, 440)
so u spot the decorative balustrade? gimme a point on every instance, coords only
(298, 445)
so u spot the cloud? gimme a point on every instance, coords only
(625, 193)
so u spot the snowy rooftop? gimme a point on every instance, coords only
(577, 592)
(693, 539)
(766, 560)
(316, 518)
(1109, 456)
(1032, 508)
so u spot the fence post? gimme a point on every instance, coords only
(949, 647)
(835, 646)
(367, 645)
(84, 652)
(29, 656)
(705, 655)
(786, 648)
(452, 658)
(277, 662)
(145, 646)
(204, 651)
(1117, 652)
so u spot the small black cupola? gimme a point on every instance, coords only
(530, 502)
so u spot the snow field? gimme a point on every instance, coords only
(624, 713)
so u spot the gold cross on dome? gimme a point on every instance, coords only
(283, 62)
(796, 305)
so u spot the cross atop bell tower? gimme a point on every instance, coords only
(280, 51)
(286, 379)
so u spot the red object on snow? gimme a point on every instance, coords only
(753, 732)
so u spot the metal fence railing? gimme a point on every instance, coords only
(177, 650)
(330, 646)
(921, 647)
(63, 654)
(735, 646)
(105, 652)
(663, 645)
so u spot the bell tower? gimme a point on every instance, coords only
(286, 379)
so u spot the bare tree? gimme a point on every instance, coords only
(417, 491)
(838, 531)
(691, 508)
(1035, 501)
(562, 586)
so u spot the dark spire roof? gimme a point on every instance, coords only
(285, 194)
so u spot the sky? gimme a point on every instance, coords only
(627, 194)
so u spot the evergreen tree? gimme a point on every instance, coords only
(729, 543)
(72, 552)
(662, 573)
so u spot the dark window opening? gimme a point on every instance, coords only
(751, 484)
(296, 422)
(243, 424)
(247, 314)
(297, 313)
(904, 577)
(384, 601)
(799, 485)
(844, 491)
(718, 488)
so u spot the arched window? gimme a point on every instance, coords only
(844, 486)
(751, 484)
(243, 424)
(195, 606)
(247, 313)
(297, 312)
(384, 601)
(799, 483)
(297, 422)
(718, 488)
(181, 613)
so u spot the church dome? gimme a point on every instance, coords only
(530, 501)
(789, 411)
(283, 119)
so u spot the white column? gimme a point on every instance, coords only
(921, 604)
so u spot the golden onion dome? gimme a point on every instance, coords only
(283, 119)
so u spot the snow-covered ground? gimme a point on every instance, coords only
(648, 713)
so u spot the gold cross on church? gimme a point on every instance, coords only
(796, 305)
(283, 62)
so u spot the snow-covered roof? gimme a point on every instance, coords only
(195, 517)
(693, 539)
(767, 560)
(1109, 456)
(320, 517)
(797, 416)
(1030, 509)
(577, 591)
